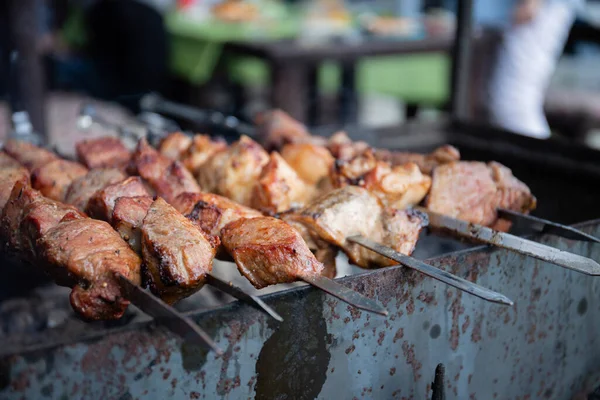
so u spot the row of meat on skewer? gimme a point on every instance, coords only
(159, 217)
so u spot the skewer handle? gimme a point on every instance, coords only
(436, 273)
(343, 293)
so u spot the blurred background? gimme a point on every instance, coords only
(333, 63)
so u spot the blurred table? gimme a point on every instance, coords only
(293, 66)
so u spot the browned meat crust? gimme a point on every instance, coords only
(268, 251)
(53, 179)
(104, 152)
(426, 162)
(27, 154)
(11, 172)
(83, 188)
(167, 177)
(177, 255)
(102, 203)
(85, 254)
(175, 145)
(21, 197)
(212, 212)
(277, 128)
(472, 191)
(311, 162)
(127, 218)
(203, 147)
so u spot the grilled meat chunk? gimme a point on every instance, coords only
(103, 152)
(83, 188)
(21, 197)
(212, 212)
(53, 179)
(167, 177)
(102, 203)
(472, 191)
(343, 148)
(177, 254)
(11, 172)
(353, 211)
(426, 162)
(127, 218)
(27, 154)
(279, 188)
(175, 145)
(85, 254)
(311, 162)
(276, 128)
(234, 172)
(268, 251)
(203, 147)
(399, 187)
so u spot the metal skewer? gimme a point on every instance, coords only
(166, 315)
(514, 243)
(345, 294)
(544, 226)
(240, 294)
(430, 270)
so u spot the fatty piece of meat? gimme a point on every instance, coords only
(11, 172)
(279, 188)
(21, 196)
(269, 251)
(276, 128)
(83, 188)
(353, 211)
(28, 155)
(202, 149)
(102, 203)
(212, 212)
(103, 152)
(426, 162)
(168, 178)
(85, 254)
(177, 254)
(472, 191)
(234, 172)
(175, 145)
(311, 162)
(38, 218)
(127, 218)
(53, 179)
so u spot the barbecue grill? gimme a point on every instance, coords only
(543, 347)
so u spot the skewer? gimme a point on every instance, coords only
(166, 315)
(240, 294)
(345, 294)
(436, 273)
(544, 226)
(514, 243)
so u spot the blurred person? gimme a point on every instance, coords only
(534, 35)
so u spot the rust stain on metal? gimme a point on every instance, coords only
(381, 337)
(350, 349)
(411, 359)
(332, 303)
(399, 335)
(457, 310)
(355, 313)
(346, 320)
(410, 307)
(392, 371)
(194, 395)
(466, 324)
(427, 298)
(476, 333)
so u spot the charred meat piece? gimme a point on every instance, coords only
(103, 152)
(426, 162)
(311, 162)
(83, 188)
(11, 172)
(102, 203)
(175, 145)
(21, 197)
(203, 147)
(343, 148)
(167, 177)
(234, 172)
(268, 251)
(27, 154)
(472, 191)
(177, 254)
(85, 254)
(279, 188)
(399, 187)
(353, 211)
(127, 218)
(276, 128)
(212, 212)
(53, 179)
